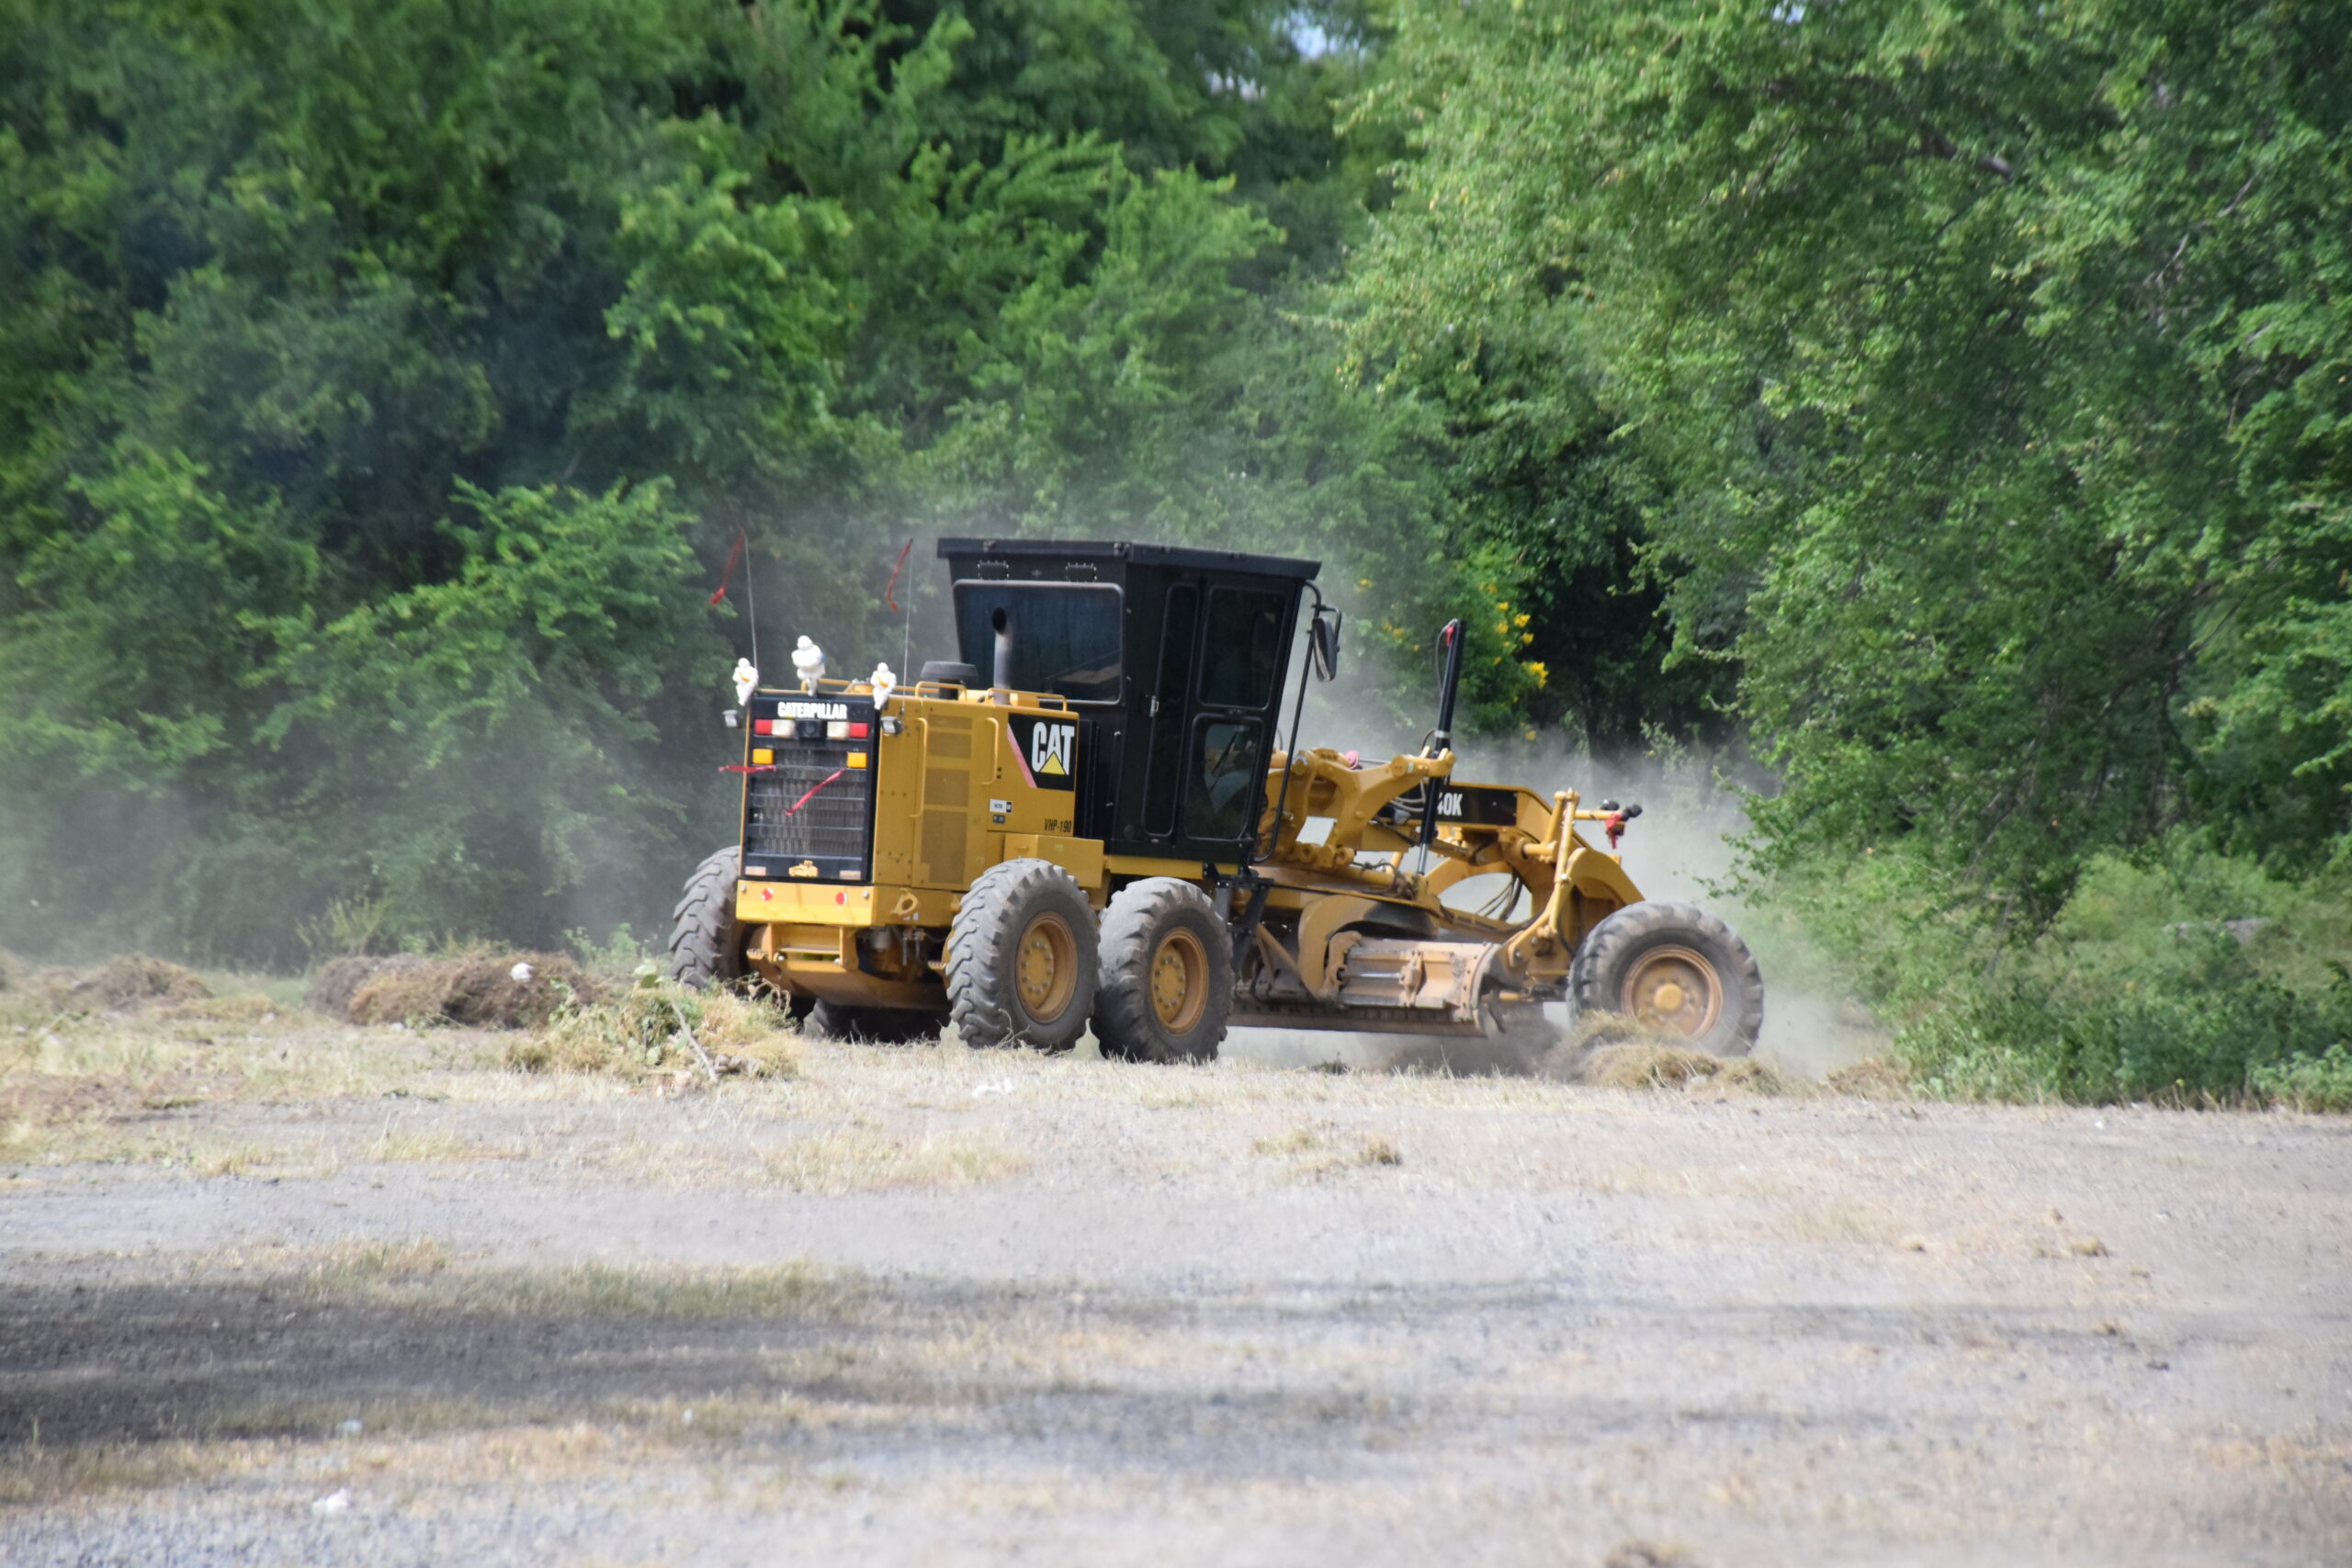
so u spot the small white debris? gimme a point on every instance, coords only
(1000, 1085)
(522, 973)
(333, 1502)
(350, 1428)
(688, 1418)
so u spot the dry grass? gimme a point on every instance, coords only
(1874, 1077)
(479, 990)
(421, 1273)
(656, 1028)
(857, 1160)
(311, 1161)
(1317, 1151)
(116, 1087)
(1650, 1066)
(434, 1146)
(31, 1475)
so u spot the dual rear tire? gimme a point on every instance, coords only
(1167, 974)
(1026, 966)
(1022, 967)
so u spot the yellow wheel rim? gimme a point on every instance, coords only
(1674, 990)
(1045, 967)
(1180, 981)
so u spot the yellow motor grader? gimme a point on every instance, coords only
(1104, 832)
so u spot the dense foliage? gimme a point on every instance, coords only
(1989, 368)
(1938, 413)
(383, 385)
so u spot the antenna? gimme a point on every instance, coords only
(906, 610)
(751, 603)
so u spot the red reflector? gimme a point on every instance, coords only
(764, 727)
(859, 731)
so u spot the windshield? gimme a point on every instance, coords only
(1065, 635)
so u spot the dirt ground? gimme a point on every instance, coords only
(278, 1292)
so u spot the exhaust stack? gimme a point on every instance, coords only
(1003, 623)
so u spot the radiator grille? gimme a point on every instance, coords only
(832, 824)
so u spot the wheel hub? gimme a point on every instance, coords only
(1179, 981)
(1676, 990)
(1045, 967)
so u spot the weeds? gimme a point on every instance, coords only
(2309, 1083)
(619, 953)
(2187, 976)
(349, 928)
(657, 1026)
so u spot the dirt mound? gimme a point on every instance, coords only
(509, 990)
(1874, 1077)
(339, 979)
(119, 985)
(1650, 1066)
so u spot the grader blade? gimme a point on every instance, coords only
(1441, 977)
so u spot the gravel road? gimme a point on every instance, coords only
(932, 1306)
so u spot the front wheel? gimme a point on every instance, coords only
(1676, 971)
(1167, 975)
(706, 941)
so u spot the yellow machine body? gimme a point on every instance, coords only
(1345, 932)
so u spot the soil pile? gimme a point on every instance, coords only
(1651, 1065)
(120, 985)
(511, 990)
(339, 979)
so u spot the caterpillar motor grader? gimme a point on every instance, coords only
(1104, 832)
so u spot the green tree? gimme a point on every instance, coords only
(383, 385)
(1996, 355)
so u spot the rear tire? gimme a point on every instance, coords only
(871, 1026)
(1673, 972)
(706, 941)
(1021, 958)
(1167, 986)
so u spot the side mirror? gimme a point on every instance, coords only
(1323, 645)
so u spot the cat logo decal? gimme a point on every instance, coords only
(1047, 750)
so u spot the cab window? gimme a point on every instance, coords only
(1244, 648)
(1066, 637)
(1227, 767)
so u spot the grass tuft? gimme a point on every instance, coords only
(647, 1030)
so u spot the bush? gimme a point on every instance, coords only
(2188, 976)
(2309, 1083)
(2169, 1039)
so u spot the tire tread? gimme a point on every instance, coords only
(979, 994)
(1637, 923)
(706, 942)
(1124, 1025)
